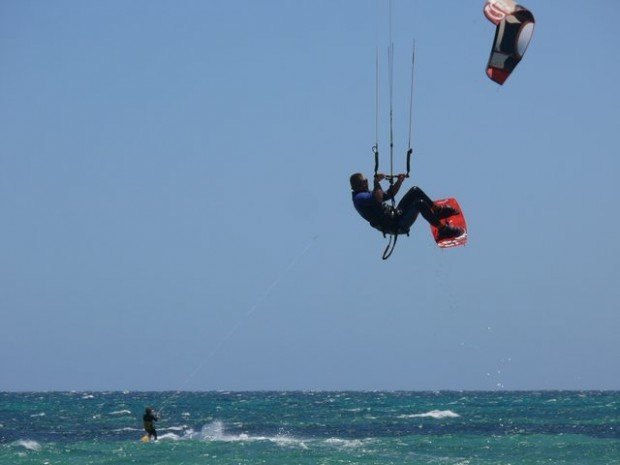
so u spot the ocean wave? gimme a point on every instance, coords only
(88, 396)
(436, 414)
(170, 437)
(175, 428)
(28, 444)
(34, 415)
(215, 432)
(121, 412)
(344, 443)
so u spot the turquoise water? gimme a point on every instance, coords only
(312, 428)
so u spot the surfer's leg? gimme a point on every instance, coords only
(415, 195)
(416, 201)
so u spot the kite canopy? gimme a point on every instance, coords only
(515, 26)
(496, 10)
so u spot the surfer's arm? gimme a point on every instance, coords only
(377, 191)
(393, 190)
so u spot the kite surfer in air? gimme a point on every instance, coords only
(372, 207)
(149, 417)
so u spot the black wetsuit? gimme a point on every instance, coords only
(383, 218)
(148, 419)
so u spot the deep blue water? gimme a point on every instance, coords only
(312, 428)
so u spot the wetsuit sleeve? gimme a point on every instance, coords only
(363, 198)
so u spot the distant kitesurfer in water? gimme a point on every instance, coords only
(372, 207)
(149, 417)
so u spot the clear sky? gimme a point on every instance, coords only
(175, 207)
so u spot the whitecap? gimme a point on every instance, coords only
(212, 431)
(175, 428)
(42, 414)
(215, 432)
(458, 401)
(88, 396)
(344, 443)
(28, 444)
(121, 412)
(436, 414)
(170, 436)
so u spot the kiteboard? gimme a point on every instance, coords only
(457, 221)
(145, 438)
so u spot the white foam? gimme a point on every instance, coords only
(28, 444)
(344, 443)
(211, 431)
(436, 414)
(170, 436)
(175, 428)
(88, 396)
(42, 414)
(121, 412)
(215, 432)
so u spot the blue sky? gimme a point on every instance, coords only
(176, 210)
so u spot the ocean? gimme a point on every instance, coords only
(318, 428)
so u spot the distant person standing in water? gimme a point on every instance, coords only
(149, 417)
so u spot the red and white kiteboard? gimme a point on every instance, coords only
(456, 221)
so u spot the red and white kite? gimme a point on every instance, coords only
(515, 26)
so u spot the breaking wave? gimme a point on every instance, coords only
(28, 444)
(216, 432)
(436, 414)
